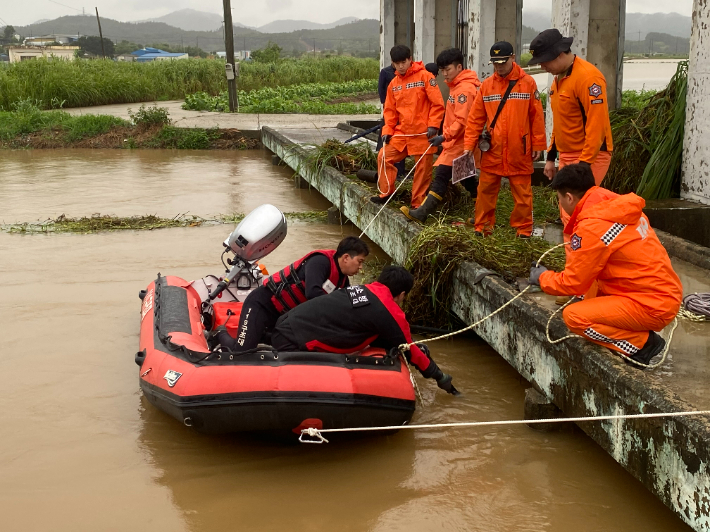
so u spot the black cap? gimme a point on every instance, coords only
(433, 69)
(548, 45)
(501, 51)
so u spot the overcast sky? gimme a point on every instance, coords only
(254, 12)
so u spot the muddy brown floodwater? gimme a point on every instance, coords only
(81, 450)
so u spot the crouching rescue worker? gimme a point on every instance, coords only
(413, 112)
(611, 242)
(351, 319)
(463, 87)
(508, 107)
(316, 274)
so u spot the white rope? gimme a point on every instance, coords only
(317, 433)
(398, 186)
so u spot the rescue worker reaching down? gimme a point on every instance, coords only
(351, 319)
(318, 273)
(508, 108)
(413, 113)
(612, 243)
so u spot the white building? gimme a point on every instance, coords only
(23, 53)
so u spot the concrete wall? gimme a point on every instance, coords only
(396, 26)
(491, 21)
(695, 183)
(435, 28)
(605, 48)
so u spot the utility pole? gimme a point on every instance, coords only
(229, 49)
(101, 35)
(314, 48)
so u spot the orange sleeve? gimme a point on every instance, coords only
(537, 119)
(436, 108)
(476, 120)
(588, 256)
(389, 111)
(591, 92)
(461, 111)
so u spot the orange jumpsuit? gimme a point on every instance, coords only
(519, 130)
(462, 93)
(612, 243)
(581, 130)
(413, 104)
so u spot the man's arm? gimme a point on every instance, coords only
(436, 108)
(317, 272)
(389, 111)
(461, 112)
(593, 97)
(588, 256)
(382, 85)
(477, 118)
(537, 119)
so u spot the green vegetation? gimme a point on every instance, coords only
(346, 158)
(314, 98)
(92, 45)
(53, 84)
(150, 116)
(100, 223)
(648, 140)
(269, 54)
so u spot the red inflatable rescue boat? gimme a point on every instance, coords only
(260, 390)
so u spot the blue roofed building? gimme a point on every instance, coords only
(155, 54)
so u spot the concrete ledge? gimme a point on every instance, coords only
(670, 457)
(683, 218)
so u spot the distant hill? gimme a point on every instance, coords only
(658, 43)
(360, 37)
(191, 20)
(286, 26)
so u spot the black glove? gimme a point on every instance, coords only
(431, 132)
(443, 380)
(386, 139)
(437, 141)
(535, 273)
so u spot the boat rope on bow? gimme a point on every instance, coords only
(318, 433)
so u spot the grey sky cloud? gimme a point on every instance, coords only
(256, 12)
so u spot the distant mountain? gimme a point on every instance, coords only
(191, 20)
(285, 26)
(669, 23)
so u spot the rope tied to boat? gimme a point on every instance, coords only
(318, 433)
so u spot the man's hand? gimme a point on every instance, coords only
(550, 170)
(536, 155)
(437, 141)
(386, 139)
(535, 273)
(431, 132)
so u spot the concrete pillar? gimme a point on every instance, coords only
(435, 28)
(334, 216)
(396, 26)
(490, 21)
(695, 177)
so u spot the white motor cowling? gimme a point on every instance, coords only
(258, 234)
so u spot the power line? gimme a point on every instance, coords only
(64, 5)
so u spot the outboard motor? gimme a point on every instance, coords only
(257, 235)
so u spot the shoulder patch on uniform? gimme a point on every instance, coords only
(595, 90)
(537, 95)
(432, 82)
(462, 98)
(597, 101)
(612, 233)
(575, 242)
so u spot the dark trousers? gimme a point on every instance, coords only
(282, 339)
(401, 170)
(258, 317)
(442, 178)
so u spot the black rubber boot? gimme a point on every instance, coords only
(379, 200)
(653, 346)
(431, 202)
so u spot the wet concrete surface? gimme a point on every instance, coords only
(81, 449)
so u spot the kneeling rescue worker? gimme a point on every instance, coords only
(611, 242)
(351, 319)
(316, 274)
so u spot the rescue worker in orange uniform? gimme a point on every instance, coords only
(580, 108)
(413, 112)
(612, 243)
(463, 88)
(517, 138)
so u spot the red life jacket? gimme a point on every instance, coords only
(289, 288)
